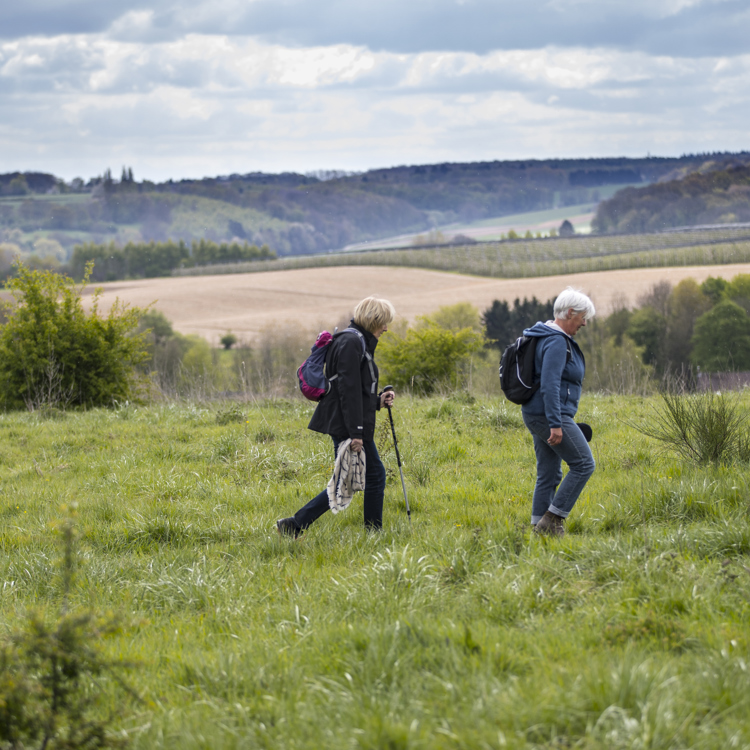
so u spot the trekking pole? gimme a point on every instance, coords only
(398, 456)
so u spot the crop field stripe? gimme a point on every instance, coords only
(530, 258)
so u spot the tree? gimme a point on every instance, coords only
(566, 229)
(715, 289)
(9, 254)
(618, 321)
(54, 674)
(198, 359)
(738, 290)
(45, 248)
(18, 186)
(648, 329)
(52, 353)
(722, 339)
(165, 350)
(505, 324)
(612, 365)
(657, 297)
(457, 317)
(686, 303)
(157, 325)
(228, 340)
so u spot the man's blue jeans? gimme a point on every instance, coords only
(574, 450)
(373, 492)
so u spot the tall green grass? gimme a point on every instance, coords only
(462, 631)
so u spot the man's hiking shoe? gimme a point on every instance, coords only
(288, 527)
(550, 525)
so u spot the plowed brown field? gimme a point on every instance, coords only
(315, 298)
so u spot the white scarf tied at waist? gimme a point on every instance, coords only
(348, 477)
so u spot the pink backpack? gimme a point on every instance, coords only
(311, 373)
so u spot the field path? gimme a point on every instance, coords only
(316, 298)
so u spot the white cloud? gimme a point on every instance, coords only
(210, 104)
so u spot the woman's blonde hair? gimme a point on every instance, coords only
(373, 313)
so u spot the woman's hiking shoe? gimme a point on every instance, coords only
(288, 527)
(550, 525)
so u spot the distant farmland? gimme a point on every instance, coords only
(313, 298)
(538, 257)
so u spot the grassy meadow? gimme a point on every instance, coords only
(462, 631)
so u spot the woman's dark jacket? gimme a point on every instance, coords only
(348, 409)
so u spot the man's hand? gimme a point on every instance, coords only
(356, 445)
(386, 398)
(555, 436)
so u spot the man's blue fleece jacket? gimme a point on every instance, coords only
(561, 377)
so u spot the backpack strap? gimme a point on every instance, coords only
(365, 355)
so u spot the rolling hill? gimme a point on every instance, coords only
(719, 196)
(300, 214)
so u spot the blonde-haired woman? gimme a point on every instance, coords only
(348, 410)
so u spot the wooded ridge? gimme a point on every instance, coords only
(299, 214)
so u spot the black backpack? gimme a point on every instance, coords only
(517, 371)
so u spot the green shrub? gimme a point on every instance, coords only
(427, 358)
(701, 428)
(52, 353)
(434, 354)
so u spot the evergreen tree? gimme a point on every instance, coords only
(505, 324)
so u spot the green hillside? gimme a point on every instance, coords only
(305, 214)
(716, 197)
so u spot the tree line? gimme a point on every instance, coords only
(672, 332)
(150, 259)
(301, 214)
(55, 354)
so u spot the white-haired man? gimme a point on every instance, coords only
(548, 415)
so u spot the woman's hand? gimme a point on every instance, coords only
(356, 445)
(555, 436)
(386, 398)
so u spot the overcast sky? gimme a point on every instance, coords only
(206, 87)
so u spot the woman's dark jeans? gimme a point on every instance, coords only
(574, 450)
(374, 491)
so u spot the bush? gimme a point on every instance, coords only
(429, 356)
(52, 353)
(701, 428)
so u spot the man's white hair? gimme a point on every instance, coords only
(575, 300)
